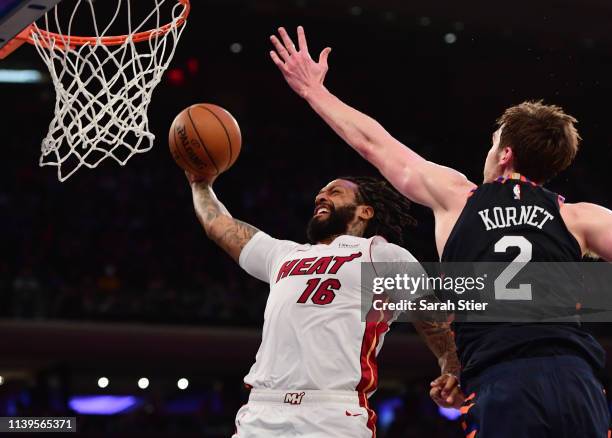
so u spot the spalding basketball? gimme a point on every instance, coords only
(205, 140)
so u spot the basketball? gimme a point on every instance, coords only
(205, 140)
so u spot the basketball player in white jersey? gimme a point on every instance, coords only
(316, 365)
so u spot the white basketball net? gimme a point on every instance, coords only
(102, 91)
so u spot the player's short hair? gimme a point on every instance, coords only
(543, 139)
(391, 217)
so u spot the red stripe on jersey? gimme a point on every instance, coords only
(376, 325)
(369, 347)
(371, 424)
(367, 357)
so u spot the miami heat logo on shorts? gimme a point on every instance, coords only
(294, 398)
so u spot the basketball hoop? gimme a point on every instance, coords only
(104, 83)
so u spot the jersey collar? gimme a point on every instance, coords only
(515, 177)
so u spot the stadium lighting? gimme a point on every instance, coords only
(424, 21)
(103, 404)
(182, 383)
(143, 383)
(449, 413)
(103, 382)
(21, 76)
(450, 38)
(356, 10)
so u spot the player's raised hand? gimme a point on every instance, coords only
(192, 178)
(446, 392)
(301, 72)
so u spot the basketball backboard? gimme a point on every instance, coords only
(15, 16)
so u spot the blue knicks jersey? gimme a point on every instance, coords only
(499, 219)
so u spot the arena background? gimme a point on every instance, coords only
(110, 274)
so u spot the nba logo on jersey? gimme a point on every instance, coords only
(517, 192)
(294, 398)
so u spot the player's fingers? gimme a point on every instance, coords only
(287, 40)
(434, 393)
(280, 49)
(450, 384)
(324, 55)
(195, 179)
(454, 395)
(279, 63)
(440, 380)
(302, 44)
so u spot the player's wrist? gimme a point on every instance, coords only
(199, 180)
(449, 366)
(315, 92)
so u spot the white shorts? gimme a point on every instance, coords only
(308, 414)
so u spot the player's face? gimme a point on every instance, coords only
(335, 209)
(492, 168)
(336, 194)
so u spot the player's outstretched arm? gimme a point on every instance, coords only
(230, 234)
(420, 180)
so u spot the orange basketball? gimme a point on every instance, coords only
(205, 140)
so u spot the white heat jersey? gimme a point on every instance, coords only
(313, 334)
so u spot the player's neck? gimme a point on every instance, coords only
(328, 240)
(353, 230)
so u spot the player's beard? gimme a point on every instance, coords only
(335, 224)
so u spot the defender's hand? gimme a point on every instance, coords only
(301, 72)
(446, 392)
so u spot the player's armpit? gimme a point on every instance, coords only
(230, 234)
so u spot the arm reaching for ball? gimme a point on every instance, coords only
(230, 234)
(422, 181)
(255, 251)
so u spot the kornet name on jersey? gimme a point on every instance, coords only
(509, 217)
(313, 334)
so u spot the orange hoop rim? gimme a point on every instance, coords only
(117, 40)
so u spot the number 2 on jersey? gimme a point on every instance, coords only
(322, 293)
(502, 291)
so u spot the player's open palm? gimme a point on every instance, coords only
(301, 72)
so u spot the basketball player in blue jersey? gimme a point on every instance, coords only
(521, 380)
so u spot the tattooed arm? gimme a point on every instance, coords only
(439, 339)
(436, 333)
(229, 233)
